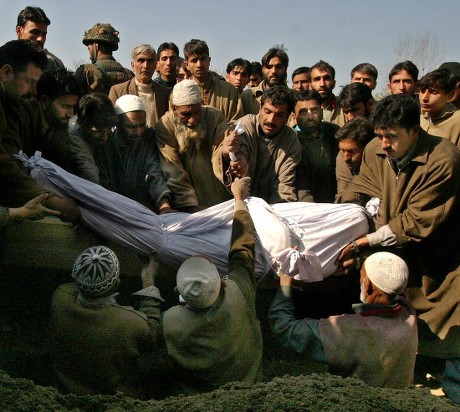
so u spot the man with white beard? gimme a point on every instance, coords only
(195, 145)
(378, 342)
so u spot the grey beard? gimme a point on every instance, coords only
(189, 137)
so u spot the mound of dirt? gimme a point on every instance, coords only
(302, 393)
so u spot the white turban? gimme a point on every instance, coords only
(129, 103)
(198, 282)
(186, 93)
(388, 272)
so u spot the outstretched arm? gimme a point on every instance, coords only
(299, 335)
(242, 250)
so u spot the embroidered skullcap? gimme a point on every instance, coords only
(198, 282)
(186, 93)
(129, 103)
(96, 271)
(388, 272)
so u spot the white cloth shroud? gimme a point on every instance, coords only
(319, 229)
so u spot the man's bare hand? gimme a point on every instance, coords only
(241, 188)
(231, 143)
(149, 271)
(240, 168)
(285, 280)
(33, 209)
(348, 258)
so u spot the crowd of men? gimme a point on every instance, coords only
(187, 139)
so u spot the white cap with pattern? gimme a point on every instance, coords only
(96, 271)
(186, 93)
(388, 272)
(129, 103)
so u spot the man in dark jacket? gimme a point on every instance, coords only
(129, 163)
(414, 180)
(96, 345)
(21, 65)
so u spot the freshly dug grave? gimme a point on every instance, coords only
(302, 393)
(25, 375)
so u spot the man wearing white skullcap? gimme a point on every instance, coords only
(414, 180)
(96, 345)
(129, 163)
(214, 337)
(378, 343)
(195, 144)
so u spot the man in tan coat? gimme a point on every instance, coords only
(215, 92)
(154, 95)
(271, 147)
(274, 69)
(415, 179)
(194, 156)
(439, 117)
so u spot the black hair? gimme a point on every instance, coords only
(441, 78)
(195, 47)
(323, 66)
(306, 95)
(278, 95)
(354, 93)
(167, 46)
(20, 53)
(300, 70)
(257, 68)
(366, 68)
(32, 13)
(358, 129)
(276, 51)
(396, 110)
(408, 66)
(56, 83)
(96, 109)
(240, 62)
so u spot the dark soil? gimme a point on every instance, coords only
(26, 383)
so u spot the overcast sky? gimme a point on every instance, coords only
(344, 33)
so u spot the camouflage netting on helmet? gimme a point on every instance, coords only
(302, 393)
(102, 33)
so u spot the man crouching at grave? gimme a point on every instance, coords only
(378, 343)
(96, 345)
(214, 336)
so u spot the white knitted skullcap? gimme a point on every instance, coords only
(388, 272)
(129, 103)
(198, 282)
(96, 271)
(186, 93)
